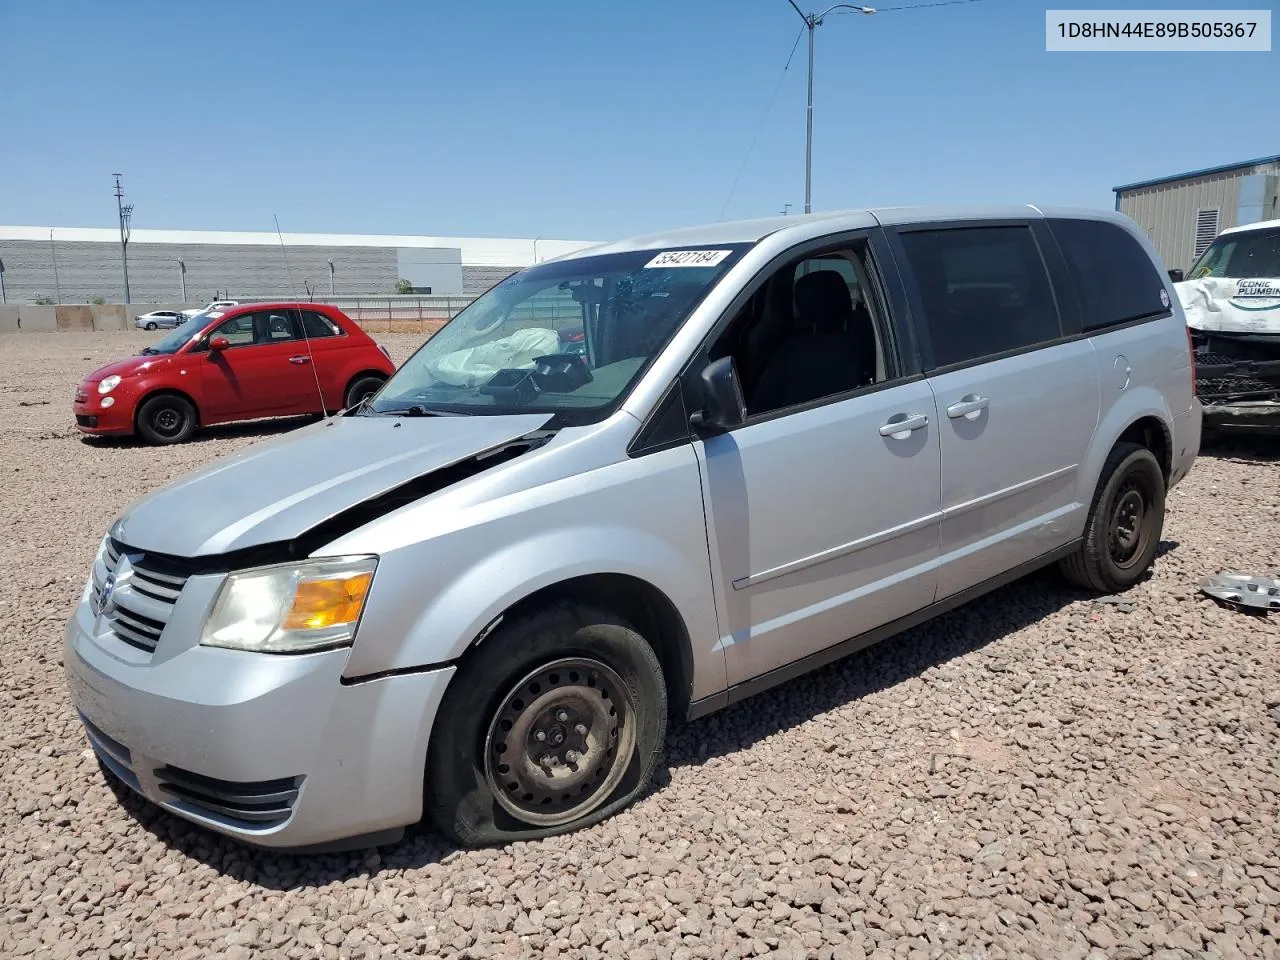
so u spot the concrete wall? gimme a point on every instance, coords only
(78, 317)
(87, 269)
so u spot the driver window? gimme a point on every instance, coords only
(813, 330)
(238, 331)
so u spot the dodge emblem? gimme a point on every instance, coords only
(103, 600)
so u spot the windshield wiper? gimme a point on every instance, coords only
(416, 410)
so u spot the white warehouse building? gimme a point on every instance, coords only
(82, 264)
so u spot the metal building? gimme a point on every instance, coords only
(1184, 212)
(79, 264)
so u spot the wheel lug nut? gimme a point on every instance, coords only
(562, 715)
(540, 735)
(580, 729)
(572, 756)
(548, 760)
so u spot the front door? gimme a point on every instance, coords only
(265, 370)
(1017, 400)
(822, 508)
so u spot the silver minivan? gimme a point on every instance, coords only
(640, 482)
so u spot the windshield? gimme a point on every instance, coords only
(567, 337)
(180, 336)
(1241, 256)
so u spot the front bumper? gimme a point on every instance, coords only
(93, 419)
(275, 751)
(1260, 415)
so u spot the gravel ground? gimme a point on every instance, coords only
(1037, 774)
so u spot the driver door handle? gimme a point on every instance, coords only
(969, 407)
(299, 359)
(901, 429)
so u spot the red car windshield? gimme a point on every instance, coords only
(181, 335)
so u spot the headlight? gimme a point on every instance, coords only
(108, 384)
(295, 608)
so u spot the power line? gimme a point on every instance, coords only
(763, 119)
(916, 6)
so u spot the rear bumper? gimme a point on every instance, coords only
(1187, 428)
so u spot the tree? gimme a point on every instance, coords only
(404, 286)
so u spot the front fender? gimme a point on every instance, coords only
(433, 597)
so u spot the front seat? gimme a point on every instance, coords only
(834, 350)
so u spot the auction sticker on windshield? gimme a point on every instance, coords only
(688, 258)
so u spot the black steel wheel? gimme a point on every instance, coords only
(554, 722)
(166, 419)
(1126, 519)
(558, 743)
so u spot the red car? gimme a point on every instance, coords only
(236, 363)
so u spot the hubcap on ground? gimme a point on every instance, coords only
(560, 742)
(1127, 524)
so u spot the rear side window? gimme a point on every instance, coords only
(1113, 276)
(985, 291)
(318, 325)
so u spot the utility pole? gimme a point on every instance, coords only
(125, 211)
(786, 210)
(3, 301)
(331, 278)
(53, 251)
(812, 21)
(182, 272)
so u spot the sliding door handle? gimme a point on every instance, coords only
(902, 425)
(970, 407)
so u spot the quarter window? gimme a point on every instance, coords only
(985, 291)
(317, 325)
(1113, 276)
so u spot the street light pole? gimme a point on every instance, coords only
(3, 301)
(331, 278)
(125, 212)
(812, 21)
(182, 272)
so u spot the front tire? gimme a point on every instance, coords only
(555, 722)
(1126, 519)
(166, 419)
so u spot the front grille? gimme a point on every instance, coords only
(85, 420)
(259, 803)
(145, 591)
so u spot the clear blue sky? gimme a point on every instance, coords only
(582, 119)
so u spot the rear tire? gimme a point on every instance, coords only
(151, 325)
(166, 419)
(1126, 519)
(360, 389)
(555, 722)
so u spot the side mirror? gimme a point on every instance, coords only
(722, 403)
(1177, 276)
(218, 344)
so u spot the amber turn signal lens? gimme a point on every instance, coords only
(328, 602)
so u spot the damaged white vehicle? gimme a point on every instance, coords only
(1232, 301)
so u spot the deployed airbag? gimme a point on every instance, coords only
(475, 366)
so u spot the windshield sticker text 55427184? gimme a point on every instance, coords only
(688, 258)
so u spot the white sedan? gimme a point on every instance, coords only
(159, 318)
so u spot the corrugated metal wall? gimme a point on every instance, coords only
(1168, 211)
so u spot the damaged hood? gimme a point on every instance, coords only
(281, 488)
(1227, 305)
